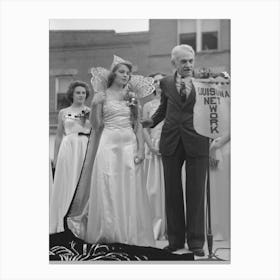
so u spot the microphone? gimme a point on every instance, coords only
(206, 73)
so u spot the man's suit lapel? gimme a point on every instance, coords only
(176, 95)
(191, 96)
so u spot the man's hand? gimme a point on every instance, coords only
(147, 123)
(139, 157)
(216, 144)
(155, 151)
(213, 161)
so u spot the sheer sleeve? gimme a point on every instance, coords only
(96, 115)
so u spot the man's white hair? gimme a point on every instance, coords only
(180, 48)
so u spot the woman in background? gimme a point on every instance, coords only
(69, 152)
(219, 155)
(153, 165)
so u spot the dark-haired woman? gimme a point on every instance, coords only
(69, 152)
(116, 207)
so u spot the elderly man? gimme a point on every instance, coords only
(180, 143)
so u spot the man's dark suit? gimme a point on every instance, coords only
(179, 142)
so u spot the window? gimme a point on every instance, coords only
(210, 40)
(189, 39)
(61, 84)
(201, 34)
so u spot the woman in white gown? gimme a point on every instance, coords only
(153, 165)
(111, 202)
(70, 147)
(220, 187)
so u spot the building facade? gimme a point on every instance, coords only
(73, 53)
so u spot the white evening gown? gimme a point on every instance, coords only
(220, 195)
(155, 177)
(118, 208)
(68, 168)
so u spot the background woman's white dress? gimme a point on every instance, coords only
(154, 175)
(68, 167)
(220, 195)
(118, 206)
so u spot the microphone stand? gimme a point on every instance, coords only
(211, 255)
(208, 221)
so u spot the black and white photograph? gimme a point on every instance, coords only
(139, 123)
(139, 139)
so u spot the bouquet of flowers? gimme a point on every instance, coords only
(132, 103)
(84, 115)
(130, 99)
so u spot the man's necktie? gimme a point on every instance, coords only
(183, 92)
(185, 88)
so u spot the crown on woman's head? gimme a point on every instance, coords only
(140, 85)
(117, 60)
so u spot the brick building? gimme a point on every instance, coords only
(73, 53)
